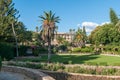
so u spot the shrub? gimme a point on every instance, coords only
(0, 62)
(42, 49)
(111, 49)
(23, 50)
(76, 50)
(74, 69)
(69, 62)
(53, 67)
(63, 47)
(86, 50)
(6, 51)
(36, 52)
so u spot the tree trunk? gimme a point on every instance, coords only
(15, 40)
(49, 51)
(49, 46)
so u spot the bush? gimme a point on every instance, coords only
(42, 50)
(76, 50)
(36, 51)
(83, 50)
(63, 47)
(23, 50)
(6, 51)
(111, 49)
(74, 69)
(0, 62)
(86, 50)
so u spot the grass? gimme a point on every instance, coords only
(80, 59)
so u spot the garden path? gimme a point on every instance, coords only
(12, 76)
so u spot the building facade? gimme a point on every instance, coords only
(67, 36)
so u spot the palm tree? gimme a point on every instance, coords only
(48, 29)
(78, 39)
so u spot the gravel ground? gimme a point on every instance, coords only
(12, 76)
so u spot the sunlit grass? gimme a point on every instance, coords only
(80, 59)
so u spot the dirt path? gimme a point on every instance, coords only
(12, 76)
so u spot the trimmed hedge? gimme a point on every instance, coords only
(23, 50)
(0, 63)
(83, 50)
(76, 50)
(6, 51)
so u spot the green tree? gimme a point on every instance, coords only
(113, 17)
(48, 29)
(72, 33)
(84, 35)
(78, 39)
(37, 29)
(11, 29)
(105, 34)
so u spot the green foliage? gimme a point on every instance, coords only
(107, 33)
(0, 63)
(80, 37)
(10, 24)
(23, 50)
(69, 62)
(83, 50)
(87, 50)
(6, 51)
(113, 17)
(111, 49)
(48, 28)
(36, 51)
(95, 71)
(62, 47)
(73, 69)
(76, 50)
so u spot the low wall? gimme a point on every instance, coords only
(33, 74)
(76, 76)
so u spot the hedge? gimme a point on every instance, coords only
(0, 62)
(6, 51)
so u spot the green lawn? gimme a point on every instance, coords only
(80, 59)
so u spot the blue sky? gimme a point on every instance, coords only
(73, 13)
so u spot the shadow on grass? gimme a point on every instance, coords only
(75, 59)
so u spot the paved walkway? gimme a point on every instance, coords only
(12, 76)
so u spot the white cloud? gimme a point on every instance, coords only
(78, 25)
(90, 26)
(104, 23)
(88, 30)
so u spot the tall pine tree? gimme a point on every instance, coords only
(113, 17)
(84, 35)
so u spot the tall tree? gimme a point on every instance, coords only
(37, 29)
(72, 33)
(9, 24)
(84, 35)
(113, 17)
(78, 39)
(48, 28)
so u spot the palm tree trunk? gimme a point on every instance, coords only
(15, 40)
(49, 51)
(49, 46)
